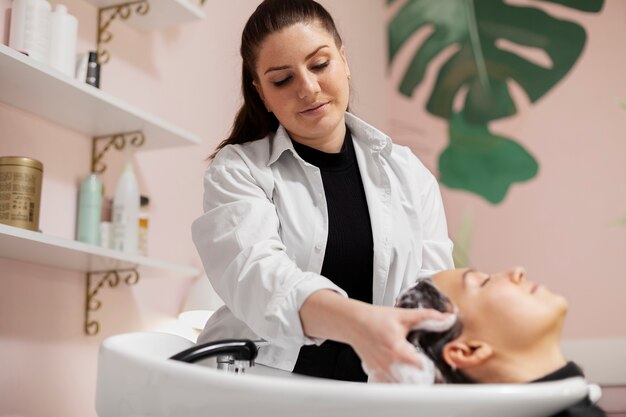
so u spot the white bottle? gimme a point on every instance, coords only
(126, 211)
(89, 210)
(63, 35)
(30, 28)
(144, 221)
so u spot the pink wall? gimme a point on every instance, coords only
(560, 225)
(189, 76)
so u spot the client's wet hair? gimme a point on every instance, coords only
(424, 294)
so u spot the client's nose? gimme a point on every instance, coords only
(517, 274)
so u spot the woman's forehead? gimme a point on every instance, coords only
(297, 38)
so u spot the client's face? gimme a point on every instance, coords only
(504, 309)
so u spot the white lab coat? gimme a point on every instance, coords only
(263, 235)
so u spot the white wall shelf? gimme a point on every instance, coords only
(45, 92)
(39, 248)
(162, 14)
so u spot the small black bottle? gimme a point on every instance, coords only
(93, 70)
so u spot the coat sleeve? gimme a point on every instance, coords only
(238, 240)
(437, 246)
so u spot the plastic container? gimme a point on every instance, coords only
(63, 35)
(30, 28)
(93, 70)
(143, 225)
(106, 225)
(81, 66)
(126, 211)
(89, 210)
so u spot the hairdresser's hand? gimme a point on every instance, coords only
(377, 334)
(380, 339)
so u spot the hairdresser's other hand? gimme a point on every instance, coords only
(380, 339)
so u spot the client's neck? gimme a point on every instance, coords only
(516, 367)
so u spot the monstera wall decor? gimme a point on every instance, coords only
(476, 159)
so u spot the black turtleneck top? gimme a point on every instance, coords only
(348, 260)
(583, 408)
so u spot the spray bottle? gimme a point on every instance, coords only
(126, 210)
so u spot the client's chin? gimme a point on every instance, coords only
(561, 305)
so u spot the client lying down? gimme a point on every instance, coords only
(508, 330)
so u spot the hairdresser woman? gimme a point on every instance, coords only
(314, 221)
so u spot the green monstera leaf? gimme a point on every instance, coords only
(484, 63)
(483, 163)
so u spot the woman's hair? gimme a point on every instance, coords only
(424, 294)
(253, 121)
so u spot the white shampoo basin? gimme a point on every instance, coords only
(136, 379)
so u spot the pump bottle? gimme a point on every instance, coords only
(126, 211)
(89, 210)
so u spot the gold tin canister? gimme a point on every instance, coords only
(20, 191)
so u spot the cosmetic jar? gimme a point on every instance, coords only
(20, 191)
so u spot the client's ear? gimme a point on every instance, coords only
(462, 355)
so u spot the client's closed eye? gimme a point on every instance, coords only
(486, 280)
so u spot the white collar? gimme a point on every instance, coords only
(373, 138)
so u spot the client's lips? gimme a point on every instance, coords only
(534, 287)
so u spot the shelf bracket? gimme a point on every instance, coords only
(119, 141)
(112, 278)
(108, 14)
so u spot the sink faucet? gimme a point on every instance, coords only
(232, 355)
